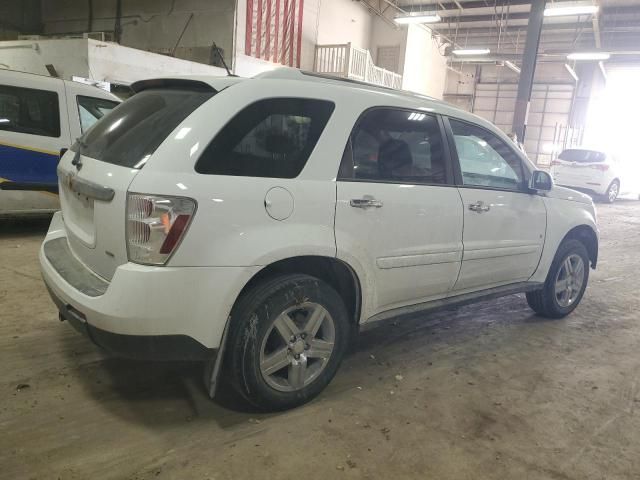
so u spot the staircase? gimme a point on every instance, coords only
(347, 61)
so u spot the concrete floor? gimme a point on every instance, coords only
(485, 391)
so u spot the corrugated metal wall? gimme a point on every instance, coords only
(547, 129)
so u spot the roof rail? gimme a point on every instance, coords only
(287, 73)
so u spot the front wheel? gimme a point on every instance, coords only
(287, 338)
(565, 284)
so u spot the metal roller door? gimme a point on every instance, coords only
(547, 129)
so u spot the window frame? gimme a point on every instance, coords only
(59, 109)
(526, 172)
(446, 149)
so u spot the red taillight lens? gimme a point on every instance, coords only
(175, 234)
(555, 162)
(155, 226)
(603, 167)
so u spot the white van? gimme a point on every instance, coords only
(40, 116)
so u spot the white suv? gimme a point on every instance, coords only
(594, 172)
(258, 224)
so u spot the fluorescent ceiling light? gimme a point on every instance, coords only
(558, 10)
(418, 18)
(471, 51)
(589, 56)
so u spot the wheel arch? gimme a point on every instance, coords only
(337, 273)
(588, 237)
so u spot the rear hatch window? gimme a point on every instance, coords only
(582, 156)
(130, 134)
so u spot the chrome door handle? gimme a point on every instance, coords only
(365, 203)
(479, 207)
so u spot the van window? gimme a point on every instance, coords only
(395, 145)
(269, 138)
(92, 109)
(131, 132)
(28, 110)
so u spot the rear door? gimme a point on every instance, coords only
(95, 174)
(33, 128)
(580, 168)
(504, 224)
(398, 213)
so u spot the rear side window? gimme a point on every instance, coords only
(130, 134)
(269, 138)
(92, 109)
(582, 156)
(28, 110)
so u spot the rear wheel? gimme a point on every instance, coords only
(565, 284)
(612, 192)
(287, 338)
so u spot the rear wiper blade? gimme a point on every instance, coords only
(77, 160)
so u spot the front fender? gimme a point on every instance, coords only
(562, 217)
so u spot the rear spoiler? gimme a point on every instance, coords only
(177, 83)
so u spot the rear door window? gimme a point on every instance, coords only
(130, 134)
(92, 109)
(269, 138)
(29, 110)
(395, 145)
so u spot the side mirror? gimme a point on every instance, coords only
(540, 181)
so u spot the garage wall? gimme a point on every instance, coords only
(344, 21)
(548, 115)
(386, 38)
(153, 25)
(424, 67)
(490, 92)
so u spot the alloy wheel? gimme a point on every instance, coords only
(569, 280)
(297, 347)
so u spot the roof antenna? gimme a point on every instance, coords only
(217, 49)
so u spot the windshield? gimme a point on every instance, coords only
(582, 156)
(131, 132)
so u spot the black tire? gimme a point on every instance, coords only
(612, 192)
(252, 319)
(544, 301)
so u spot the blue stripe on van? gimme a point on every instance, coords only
(21, 164)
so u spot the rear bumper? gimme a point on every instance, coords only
(138, 347)
(168, 313)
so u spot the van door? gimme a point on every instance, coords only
(33, 129)
(398, 213)
(504, 224)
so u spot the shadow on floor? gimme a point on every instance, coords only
(159, 393)
(28, 226)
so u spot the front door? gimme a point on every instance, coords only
(504, 224)
(398, 214)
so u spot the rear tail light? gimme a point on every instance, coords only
(155, 226)
(556, 162)
(603, 167)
